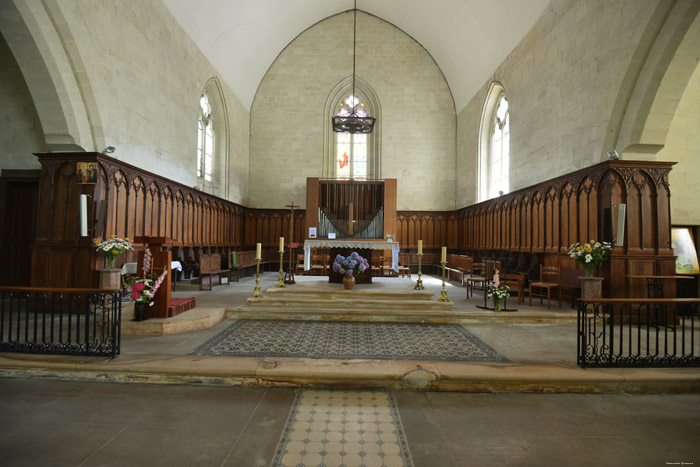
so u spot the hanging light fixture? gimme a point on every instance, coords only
(353, 123)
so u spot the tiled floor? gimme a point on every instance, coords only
(70, 424)
(350, 428)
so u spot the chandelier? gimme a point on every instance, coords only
(354, 122)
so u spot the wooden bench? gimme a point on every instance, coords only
(247, 266)
(210, 269)
(459, 265)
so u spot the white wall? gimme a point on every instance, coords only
(418, 116)
(20, 129)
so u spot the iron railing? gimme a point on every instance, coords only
(60, 321)
(638, 333)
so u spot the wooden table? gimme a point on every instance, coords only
(655, 284)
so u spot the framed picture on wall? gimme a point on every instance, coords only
(312, 232)
(87, 172)
(684, 249)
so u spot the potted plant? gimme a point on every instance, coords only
(589, 255)
(113, 247)
(144, 289)
(497, 291)
(352, 264)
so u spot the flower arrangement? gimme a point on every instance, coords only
(497, 291)
(143, 290)
(589, 255)
(353, 264)
(113, 247)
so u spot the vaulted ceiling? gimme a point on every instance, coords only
(467, 38)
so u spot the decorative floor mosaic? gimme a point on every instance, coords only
(343, 428)
(349, 340)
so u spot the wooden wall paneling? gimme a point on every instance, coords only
(538, 222)
(515, 224)
(552, 226)
(61, 198)
(648, 205)
(663, 222)
(526, 221)
(569, 216)
(634, 218)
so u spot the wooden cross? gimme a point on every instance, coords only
(290, 271)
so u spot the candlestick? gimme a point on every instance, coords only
(443, 295)
(281, 244)
(419, 284)
(444, 254)
(257, 293)
(420, 247)
(280, 281)
(258, 251)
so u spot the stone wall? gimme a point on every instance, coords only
(141, 77)
(561, 82)
(417, 113)
(21, 133)
(683, 146)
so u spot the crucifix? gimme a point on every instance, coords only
(289, 277)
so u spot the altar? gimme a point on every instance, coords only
(347, 246)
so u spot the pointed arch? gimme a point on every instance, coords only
(369, 97)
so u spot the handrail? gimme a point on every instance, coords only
(55, 289)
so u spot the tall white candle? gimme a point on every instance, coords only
(420, 247)
(281, 244)
(258, 252)
(83, 216)
(444, 254)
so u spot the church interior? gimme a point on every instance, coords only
(349, 232)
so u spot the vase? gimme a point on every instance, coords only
(496, 304)
(139, 311)
(110, 279)
(348, 281)
(111, 260)
(591, 287)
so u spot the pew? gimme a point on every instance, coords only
(210, 269)
(459, 265)
(571, 284)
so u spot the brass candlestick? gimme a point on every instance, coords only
(419, 284)
(257, 293)
(280, 281)
(443, 295)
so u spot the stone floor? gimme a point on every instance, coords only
(78, 423)
(59, 410)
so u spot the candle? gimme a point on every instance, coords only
(83, 216)
(444, 254)
(258, 251)
(281, 244)
(420, 247)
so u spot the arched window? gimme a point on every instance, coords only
(205, 141)
(494, 145)
(351, 149)
(348, 155)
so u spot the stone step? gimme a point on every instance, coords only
(406, 316)
(355, 294)
(346, 303)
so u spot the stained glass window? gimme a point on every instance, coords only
(205, 141)
(351, 149)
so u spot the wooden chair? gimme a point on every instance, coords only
(550, 278)
(475, 278)
(377, 262)
(515, 281)
(403, 266)
(318, 266)
(299, 268)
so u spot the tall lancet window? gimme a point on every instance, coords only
(351, 149)
(205, 141)
(494, 145)
(499, 179)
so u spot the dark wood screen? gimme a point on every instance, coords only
(130, 202)
(545, 219)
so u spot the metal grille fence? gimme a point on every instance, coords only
(60, 321)
(638, 333)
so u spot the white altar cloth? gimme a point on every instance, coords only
(130, 268)
(350, 243)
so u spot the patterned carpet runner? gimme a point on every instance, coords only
(349, 340)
